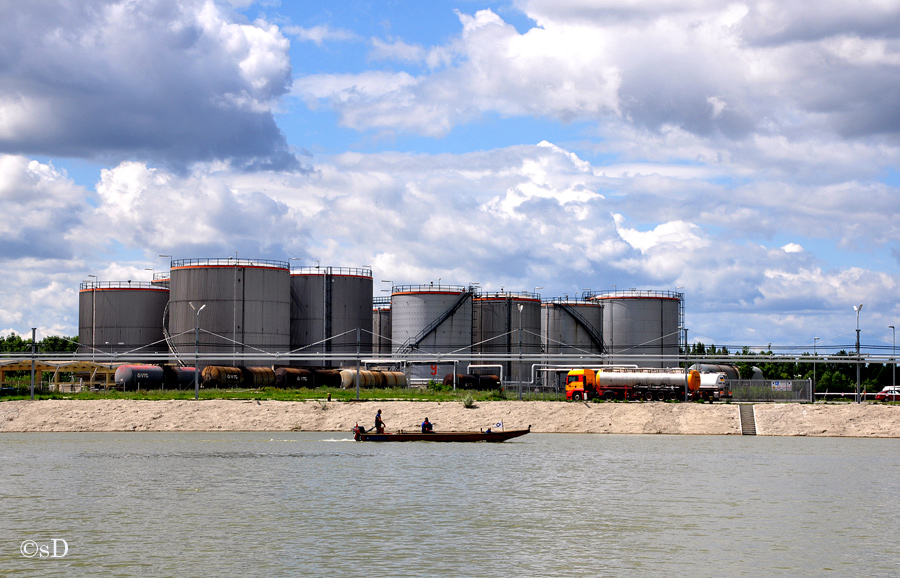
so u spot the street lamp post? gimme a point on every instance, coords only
(812, 393)
(686, 398)
(857, 309)
(893, 356)
(33, 350)
(197, 350)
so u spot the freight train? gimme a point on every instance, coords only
(132, 377)
(645, 384)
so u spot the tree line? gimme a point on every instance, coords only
(14, 343)
(828, 376)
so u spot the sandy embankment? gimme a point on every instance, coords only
(544, 417)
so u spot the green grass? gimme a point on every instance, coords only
(269, 393)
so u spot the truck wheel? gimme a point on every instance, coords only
(648, 396)
(576, 397)
(661, 396)
(608, 395)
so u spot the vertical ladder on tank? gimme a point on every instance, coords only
(328, 280)
(748, 421)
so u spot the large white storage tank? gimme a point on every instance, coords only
(122, 317)
(642, 327)
(504, 326)
(428, 320)
(328, 305)
(572, 327)
(246, 319)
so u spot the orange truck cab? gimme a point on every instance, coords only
(580, 383)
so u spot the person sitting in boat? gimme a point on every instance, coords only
(427, 427)
(379, 423)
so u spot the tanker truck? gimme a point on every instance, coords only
(644, 384)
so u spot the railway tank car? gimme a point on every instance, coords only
(135, 377)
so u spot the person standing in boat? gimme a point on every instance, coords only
(379, 423)
(427, 427)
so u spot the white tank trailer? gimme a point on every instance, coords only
(245, 320)
(122, 317)
(328, 305)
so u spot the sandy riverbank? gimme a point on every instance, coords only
(849, 420)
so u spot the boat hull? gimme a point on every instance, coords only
(494, 436)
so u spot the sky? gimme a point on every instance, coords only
(746, 154)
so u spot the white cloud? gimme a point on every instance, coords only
(320, 34)
(396, 50)
(175, 81)
(711, 69)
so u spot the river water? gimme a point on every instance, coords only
(306, 504)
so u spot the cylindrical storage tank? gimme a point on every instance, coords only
(507, 324)
(122, 317)
(179, 377)
(161, 279)
(366, 378)
(245, 310)
(381, 326)
(730, 371)
(133, 377)
(328, 306)
(572, 326)
(429, 319)
(394, 378)
(294, 377)
(221, 376)
(258, 376)
(642, 327)
(327, 377)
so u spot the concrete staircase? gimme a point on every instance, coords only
(748, 422)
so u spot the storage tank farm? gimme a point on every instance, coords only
(246, 318)
(642, 326)
(328, 305)
(116, 317)
(429, 322)
(381, 326)
(505, 325)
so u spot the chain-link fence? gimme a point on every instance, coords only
(770, 389)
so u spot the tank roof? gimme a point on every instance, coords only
(335, 271)
(230, 262)
(430, 288)
(101, 285)
(632, 294)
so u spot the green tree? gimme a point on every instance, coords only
(58, 344)
(13, 343)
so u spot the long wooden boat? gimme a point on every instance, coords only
(450, 436)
